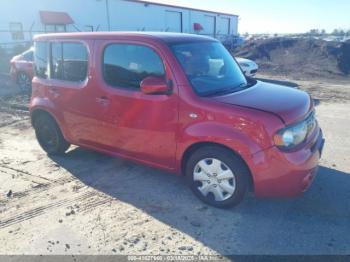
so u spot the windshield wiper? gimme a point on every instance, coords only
(219, 92)
(226, 90)
(241, 85)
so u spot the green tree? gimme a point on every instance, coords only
(335, 32)
(314, 32)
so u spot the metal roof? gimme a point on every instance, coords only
(50, 17)
(178, 6)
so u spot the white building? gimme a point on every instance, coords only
(20, 20)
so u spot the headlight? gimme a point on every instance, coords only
(292, 136)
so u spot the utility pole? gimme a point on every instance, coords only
(107, 13)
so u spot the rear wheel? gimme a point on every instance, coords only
(217, 176)
(24, 82)
(49, 135)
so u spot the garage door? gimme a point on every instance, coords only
(210, 24)
(173, 21)
(223, 27)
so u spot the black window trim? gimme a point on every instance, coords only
(121, 42)
(50, 42)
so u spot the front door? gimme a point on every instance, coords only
(135, 124)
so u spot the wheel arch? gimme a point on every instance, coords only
(35, 113)
(196, 146)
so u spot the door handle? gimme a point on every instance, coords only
(103, 101)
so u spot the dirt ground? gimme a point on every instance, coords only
(302, 58)
(89, 203)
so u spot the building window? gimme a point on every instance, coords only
(55, 28)
(126, 65)
(16, 30)
(60, 28)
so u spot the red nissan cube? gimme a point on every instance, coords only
(177, 102)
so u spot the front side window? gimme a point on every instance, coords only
(69, 61)
(41, 59)
(209, 67)
(126, 65)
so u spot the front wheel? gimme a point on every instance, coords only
(217, 176)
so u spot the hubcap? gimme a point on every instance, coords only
(24, 82)
(215, 178)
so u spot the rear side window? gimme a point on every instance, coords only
(41, 59)
(126, 65)
(69, 61)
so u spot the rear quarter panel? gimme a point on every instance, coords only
(41, 101)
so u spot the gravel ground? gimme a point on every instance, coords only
(89, 203)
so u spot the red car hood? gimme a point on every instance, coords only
(287, 103)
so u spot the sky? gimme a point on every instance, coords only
(278, 16)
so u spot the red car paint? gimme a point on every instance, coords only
(158, 130)
(22, 63)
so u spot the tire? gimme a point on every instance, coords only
(24, 82)
(49, 135)
(203, 171)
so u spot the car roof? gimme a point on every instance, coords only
(162, 36)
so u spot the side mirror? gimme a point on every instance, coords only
(154, 86)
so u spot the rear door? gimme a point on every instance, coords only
(135, 124)
(71, 89)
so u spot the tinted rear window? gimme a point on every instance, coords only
(75, 62)
(69, 61)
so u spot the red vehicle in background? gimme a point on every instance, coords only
(177, 102)
(22, 70)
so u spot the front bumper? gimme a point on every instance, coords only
(281, 174)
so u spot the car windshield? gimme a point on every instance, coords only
(210, 68)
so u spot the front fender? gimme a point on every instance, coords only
(245, 139)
